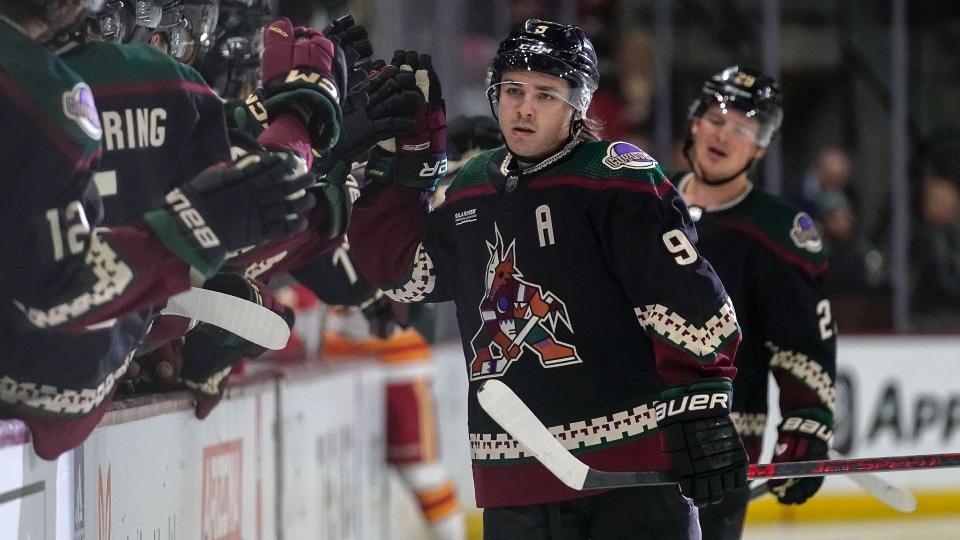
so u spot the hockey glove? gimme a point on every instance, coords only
(705, 449)
(210, 353)
(416, 160)
(351, 37)
(378, 109)
(228, 207)
(336, 191)
(804, 434)
(304, 75)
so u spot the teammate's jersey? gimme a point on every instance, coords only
(162, 124)
(577, 284)
(771, 260)
(61, 274)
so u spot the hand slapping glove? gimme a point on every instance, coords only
(304, 77)
(416, 159)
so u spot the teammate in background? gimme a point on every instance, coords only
(572, 265)
(771, 260)
(71, 290)
(372, 331)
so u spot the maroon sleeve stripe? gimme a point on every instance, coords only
(777, 249)
(150, 87)
(64, 146)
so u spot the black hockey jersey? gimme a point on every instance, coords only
(577, 283)
(67, 289)
(771, 259)
(162, 124)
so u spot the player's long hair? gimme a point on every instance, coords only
(591, 129)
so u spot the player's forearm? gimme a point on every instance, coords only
(388, 224)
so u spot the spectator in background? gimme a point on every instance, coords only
(829, 173)
(857, 282)
(935, 256)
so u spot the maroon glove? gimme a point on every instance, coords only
(303, 73)
(416, 159)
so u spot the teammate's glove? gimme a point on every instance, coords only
(228, 207)
(705, 449)
(379, 108)
(336, 191)
(351, 37)
(384, 315)
(210, 353)
(304, 74)
(417, 159)
(804, 434)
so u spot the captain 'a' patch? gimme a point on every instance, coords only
(517, 316)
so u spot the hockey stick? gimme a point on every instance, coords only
(889, 494)
(246, 319)
(513, 415)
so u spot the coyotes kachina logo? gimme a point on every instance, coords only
(517, 315)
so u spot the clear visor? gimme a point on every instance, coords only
(517, 92)
(749, 124)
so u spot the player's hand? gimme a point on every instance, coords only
(351, 37)
(417, 159)
(803, 435)
(380, 108)
(211, 353)
(695, 429)
(228, 207)
(304, 74)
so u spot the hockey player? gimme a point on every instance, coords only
(164, 123)
(771, 260)
(71, 290)
(572, 264)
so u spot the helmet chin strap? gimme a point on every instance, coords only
(698, 171)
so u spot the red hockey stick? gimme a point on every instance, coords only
(513, 415)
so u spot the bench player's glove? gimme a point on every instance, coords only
(695, 429)
(803, 435)
(417, 159)
(228, 207)
(304, 75)
(210, 353)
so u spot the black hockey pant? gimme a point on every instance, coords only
(656, 512)
(724, 521)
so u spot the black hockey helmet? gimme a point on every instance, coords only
(552, 48)
(746, 89)
(231, 65)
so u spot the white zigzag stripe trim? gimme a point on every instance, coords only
(422, 279)
(113, 277)
(624, 424)
(809, 371)
(50, 398)
(211, 386)
(749, 424)
(700, 340)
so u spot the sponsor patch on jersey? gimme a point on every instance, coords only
(623, 154)
(804, 233)
(78, 106)
(465, 216)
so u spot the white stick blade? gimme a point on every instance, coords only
(499, 401)
(248, 320)
(891, 495)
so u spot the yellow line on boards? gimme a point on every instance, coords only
(850, 507)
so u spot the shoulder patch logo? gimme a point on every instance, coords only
(623, 154)
(804, 233)
(78, 106)
(518, 316)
